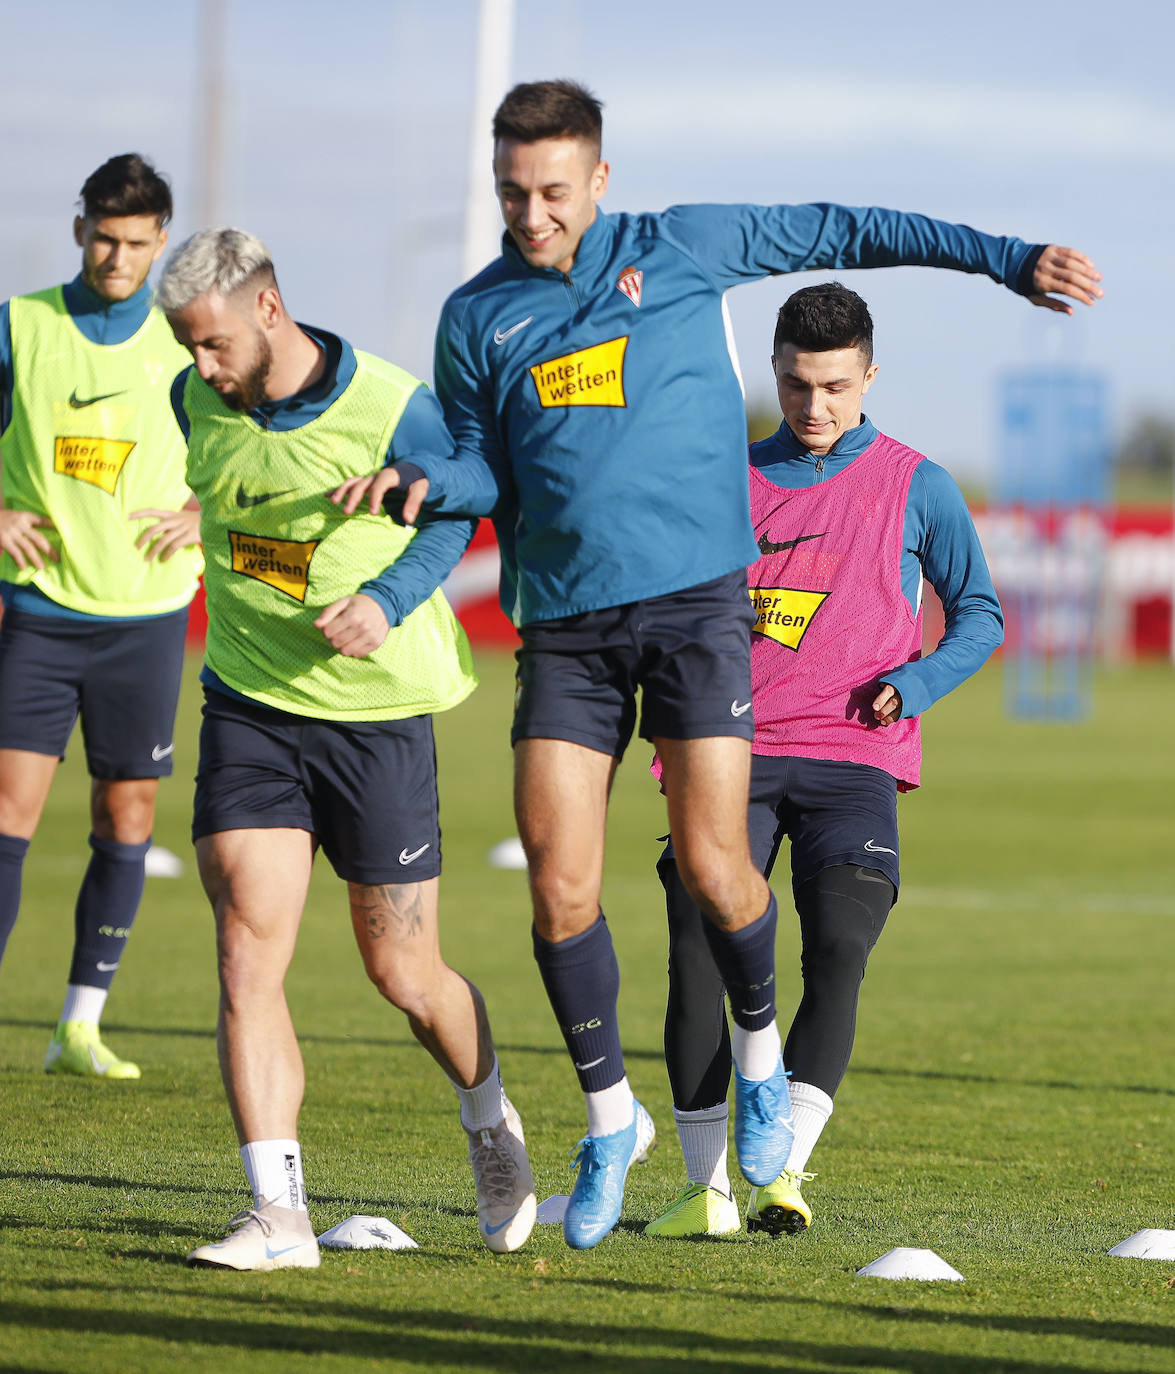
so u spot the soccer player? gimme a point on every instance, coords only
(96, 572)
(849, 523)
(320, 677)
(587, 382)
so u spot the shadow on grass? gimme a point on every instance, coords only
(1084, 1328)
(937, 1075)
(310, 1038)
(133, 1185)
(237, 1199)
(139, 1226)
(426, 1338)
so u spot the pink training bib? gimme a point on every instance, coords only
(831, 614)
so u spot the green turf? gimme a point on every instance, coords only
(1011, 1104)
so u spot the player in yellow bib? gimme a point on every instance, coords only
(329, 647)
(96, 572)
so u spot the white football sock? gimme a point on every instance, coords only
(810, 1109)
(274, 1171)
(610, 1110)
(83, 1004)
(755, 1052)
(483, 1105)
(703, 1137)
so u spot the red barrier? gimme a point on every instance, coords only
(1139, 578)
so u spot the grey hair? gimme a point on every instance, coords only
(220, 260)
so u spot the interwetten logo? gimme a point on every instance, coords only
(784, 614)
(280, 563)
(98, 461)
(592, 377)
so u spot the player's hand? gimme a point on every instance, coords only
(355, 625)
(375, 486)
(20, 536)
(1069, 272)
(887, 705)
(173, 530)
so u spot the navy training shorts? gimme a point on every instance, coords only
(689, 652)
(832, 812)
(121, 676)
(366, 790)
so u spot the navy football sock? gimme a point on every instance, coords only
(107, 904)
(582, 980)
(12, 852)
(746, 961)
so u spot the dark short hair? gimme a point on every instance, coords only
(550, 109)
(820, 318)
(126, 185)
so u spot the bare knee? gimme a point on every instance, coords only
(251, 959)
(415, 991)
(719, 884)
(123, 810)
(564, 902)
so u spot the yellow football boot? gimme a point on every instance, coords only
(778, 1208)
(77, 1049)
(697, 1211)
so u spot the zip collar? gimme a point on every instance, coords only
(590, 255)
(783, 459)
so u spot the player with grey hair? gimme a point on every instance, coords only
(321, 674)
(220, 260)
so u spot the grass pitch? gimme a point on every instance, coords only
(1011, 1103)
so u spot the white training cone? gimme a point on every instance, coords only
(367, 1233)
(1147, 1244)
(553, 1210)
(507, 854)
(905, 1263)
(162, 863)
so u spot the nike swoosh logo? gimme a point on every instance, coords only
(593, 1063)
(245, 501)
(76, 402)
(161, 751)
(877, 848)
(766, 546)
(406, 858)
(501, 1226)
(285, 1250)
(737, 710)
(756, 1011)
(501, 335)
(105, 968)
(99, 1067)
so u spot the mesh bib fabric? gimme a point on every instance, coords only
(278, 552)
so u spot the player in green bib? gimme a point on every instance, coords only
(96, 572)
(329, 648)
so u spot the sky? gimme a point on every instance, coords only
(347, 148)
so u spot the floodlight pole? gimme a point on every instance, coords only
(483, 226)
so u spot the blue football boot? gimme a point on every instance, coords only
(762, 1126)
(604, 1161)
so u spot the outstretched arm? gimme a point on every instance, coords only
(424, 477)
(736, 243)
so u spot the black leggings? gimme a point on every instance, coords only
(842, 911)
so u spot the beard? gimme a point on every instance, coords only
(249, 392)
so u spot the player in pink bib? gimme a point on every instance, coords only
(850, 523)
